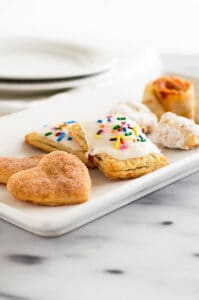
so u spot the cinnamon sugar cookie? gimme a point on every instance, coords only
(59, 179)
(10, 165)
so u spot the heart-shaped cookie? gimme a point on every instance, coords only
(10, 165)
(60, 178)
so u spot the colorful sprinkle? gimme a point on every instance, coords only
(121, 118)
(142, 139)
(117, 143)
(71, 122)
(143, 130)
(69, 138)
(100, 131)
(122, 141)
(99, 121)
(116, 127)
(135, 130)
(128, 133)
(48, 133)
(123, 147)
(61, 136)
(98, 136)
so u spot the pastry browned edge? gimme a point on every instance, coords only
(47, 145)
(120, 169)
(170, 94)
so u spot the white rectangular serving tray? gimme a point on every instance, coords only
(106, 195)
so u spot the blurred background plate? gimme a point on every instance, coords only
(33, 60)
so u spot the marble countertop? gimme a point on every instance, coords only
(146, 250)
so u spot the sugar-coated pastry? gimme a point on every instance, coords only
(59, 179)
(118, 146)
(53, 137)
(10, 165)
(137, 112)
(172, 94)
(176, 132)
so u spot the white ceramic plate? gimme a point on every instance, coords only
(107, 195)
(39, 60)
(39, 87)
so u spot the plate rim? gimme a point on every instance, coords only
(110, 59)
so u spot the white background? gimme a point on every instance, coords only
(169, 26)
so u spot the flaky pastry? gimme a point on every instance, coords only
(53, 137)
(118, 147)
(176, 132)
(172, 94)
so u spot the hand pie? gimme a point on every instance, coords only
(172, 94)
(59, 179)
(10, 166)
(139, 113)
(176, 132)
(118, 146)
(53, 137)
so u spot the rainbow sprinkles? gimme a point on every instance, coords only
(58, 131)
(122, 131)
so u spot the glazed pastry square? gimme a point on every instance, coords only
(170, 94)
(60, 178)
(53, 137)
(137, 112)
(118, 147)
(10, 165)
(176, 132)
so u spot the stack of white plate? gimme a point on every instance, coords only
(42, 66)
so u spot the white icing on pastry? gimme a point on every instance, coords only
(137, 112)
(117, 136)
(172, 131)
(59, 134)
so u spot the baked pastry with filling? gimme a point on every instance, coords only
(137, 112)
(60, 178)
(176, 132)
(53, 137)
(172, 94)
(118, 146)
